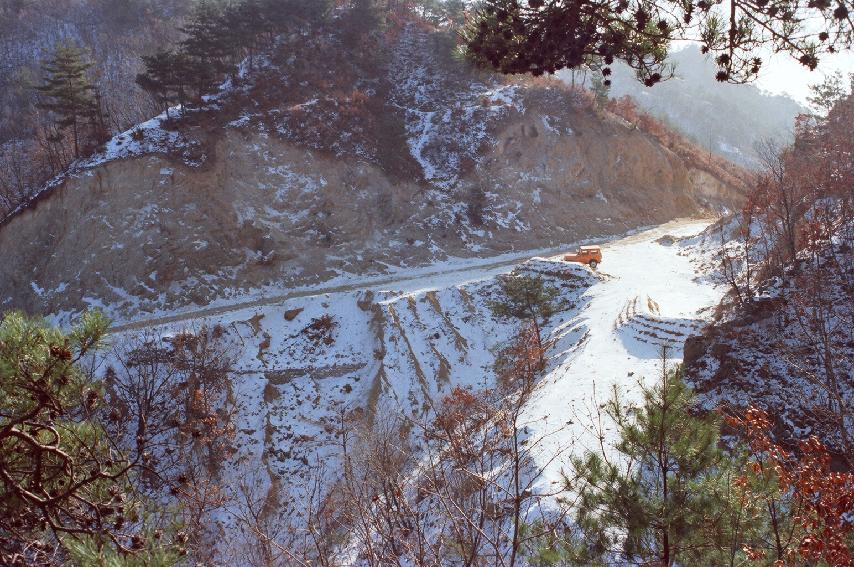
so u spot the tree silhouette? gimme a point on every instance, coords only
(165, 78)
(68, 93)
(543, 36)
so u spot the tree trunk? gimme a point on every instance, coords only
(517, 497)
(76, 145)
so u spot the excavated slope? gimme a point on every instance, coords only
(494, 167)
(268, 212)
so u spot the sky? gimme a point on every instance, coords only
(783, 75)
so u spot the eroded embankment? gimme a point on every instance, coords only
(493, 167)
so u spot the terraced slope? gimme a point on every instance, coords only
(311, 363)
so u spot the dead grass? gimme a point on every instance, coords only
(321, 330)
(731, 174)
(271, 393)
(459, 341)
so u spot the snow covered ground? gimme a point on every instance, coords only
(396, 344)
(650, 297)
(402, 345)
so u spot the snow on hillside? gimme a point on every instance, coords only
(789, 351)
(307, 362)
(149, 137)
(311, 170)
(649, 297)
(449, 117)
(447, 120)
(309, 359)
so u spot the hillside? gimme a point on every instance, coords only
(729, 120)
(113, 35)
(782, 341)
(320, 311)
(789, 351)
(311, 167)
(363, 360)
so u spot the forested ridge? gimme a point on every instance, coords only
(112, 36)
(73, 71)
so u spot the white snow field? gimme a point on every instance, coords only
(651, 296)
(400, 346)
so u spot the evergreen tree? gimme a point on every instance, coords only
(529, 299)
(207, 47)
(216, 39)
(359, 23)
(245, 24)
(664, 497)
(310, 12)
(67, 93)
(165, 78)
(827, 93)
(291, 15)
(63, 486)
(543, 36)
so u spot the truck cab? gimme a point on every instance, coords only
(590, 255)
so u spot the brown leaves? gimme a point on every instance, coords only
(321, 330)
(823, 496)
(518, 364)
(458, 407)
(60, 352)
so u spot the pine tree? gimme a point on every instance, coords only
(207, 48)
(165, 78)
(543, 37)
(67, 92)
(359, 22)
(291, 15)
(245, 24)
(64, 488)
(529, 299)
(664, 497)
(311, 12)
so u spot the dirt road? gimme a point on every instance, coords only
(404, 280)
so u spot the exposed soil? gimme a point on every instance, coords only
(497, 167)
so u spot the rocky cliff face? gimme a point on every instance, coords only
(423, 164)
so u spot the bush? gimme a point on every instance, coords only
(321, 330)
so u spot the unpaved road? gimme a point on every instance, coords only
(398, 281)
(408, 280)
(651, 297)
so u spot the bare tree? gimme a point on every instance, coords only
(457, 488)
(816, 309)
(781, 201)
(737, 255)
(170, 407)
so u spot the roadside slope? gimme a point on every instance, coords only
(397, 348)
(413, 158)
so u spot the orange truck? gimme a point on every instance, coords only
(590, 255)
